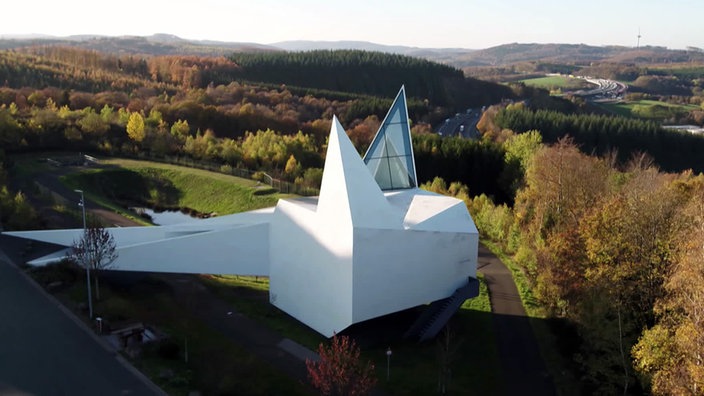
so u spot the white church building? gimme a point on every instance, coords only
(372, 243)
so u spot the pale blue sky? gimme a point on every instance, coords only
(452, 23)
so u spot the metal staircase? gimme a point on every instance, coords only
(434, 318)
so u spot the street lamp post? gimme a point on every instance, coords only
(388, 362)
(82, 204)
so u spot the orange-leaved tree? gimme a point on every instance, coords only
(340, 370)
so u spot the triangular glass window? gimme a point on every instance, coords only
(390, 156)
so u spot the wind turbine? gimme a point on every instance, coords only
(638, 43)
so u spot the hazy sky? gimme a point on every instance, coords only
(444, 23)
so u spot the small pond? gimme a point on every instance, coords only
(166, 217)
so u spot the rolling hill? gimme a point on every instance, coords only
(507, 54)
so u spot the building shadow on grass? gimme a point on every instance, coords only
(482, 353)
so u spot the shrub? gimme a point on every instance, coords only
(168, 349)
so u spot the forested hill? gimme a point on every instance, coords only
(343, 71)
(370, 73)
(508, 54)
(157, 44)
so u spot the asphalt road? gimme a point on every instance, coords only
(523, 366)
(462, 125)
(44, 351)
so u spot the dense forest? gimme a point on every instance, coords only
(601, 135)
(163, 107)
(371, 73)
(611, 244)
(614, 258)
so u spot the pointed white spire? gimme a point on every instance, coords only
(348, 192)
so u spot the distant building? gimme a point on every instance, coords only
(685, 128)
(371, 244)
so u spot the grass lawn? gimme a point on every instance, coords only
(622, 109)
(172, 186)
(563, 83)
(414, 367)
(475, 366)
(649, 109)
(216, 366)
(250, 296)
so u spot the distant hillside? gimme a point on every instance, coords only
(509, 54)
(502, 55)
(571, 54)
(305, 45)
(166, 44)
(158, 44)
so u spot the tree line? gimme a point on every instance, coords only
(369, 73)
(614, 255)
(203, 89)
(185, 126)
(601, 135)
(362, 73)
(350, 71)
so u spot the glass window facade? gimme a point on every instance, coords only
(390, 156)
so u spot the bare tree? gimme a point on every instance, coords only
(95, 250)
(447, 348)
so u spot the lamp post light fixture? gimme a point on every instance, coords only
(388, 362)
(82, 204)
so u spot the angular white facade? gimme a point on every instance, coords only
(371, 244)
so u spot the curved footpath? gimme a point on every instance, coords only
(523, 367)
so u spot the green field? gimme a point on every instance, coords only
(554, 83)
(682, 72)
(648, 109)
(172, 187)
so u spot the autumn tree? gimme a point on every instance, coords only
(180, 129)
(630, 243)
(340, 370)
(292, 166)
(562, 185)
(135, 127)
(363, 132)
(520, 150)
(93, 123)
(670, 354)
(96, 249)
(16, 213)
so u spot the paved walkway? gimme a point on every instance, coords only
(523, 366)
(44, 350)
